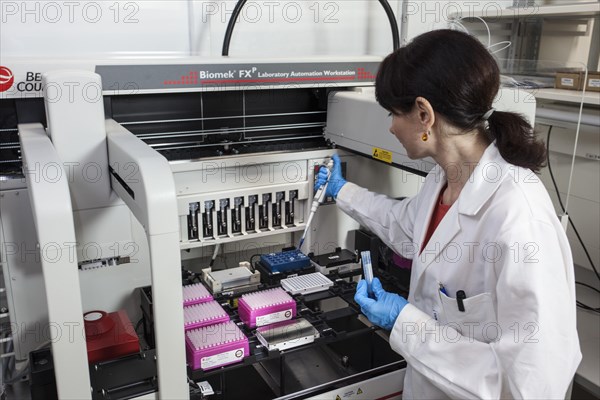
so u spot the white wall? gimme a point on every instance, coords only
(91, 29)
(175, 28)
(86, 29)
(424, 16)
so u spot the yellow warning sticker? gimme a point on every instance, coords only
(338, 397)
(382, 155)
(359, 391)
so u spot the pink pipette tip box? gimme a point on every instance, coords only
(204, 314)
(266, 307)
(215, 346)
(195, 294)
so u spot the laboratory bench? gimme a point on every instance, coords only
(335, 316)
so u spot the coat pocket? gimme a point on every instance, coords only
(477, 321)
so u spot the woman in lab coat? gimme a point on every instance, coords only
(491, 311)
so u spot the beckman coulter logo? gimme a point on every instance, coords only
(6, 79)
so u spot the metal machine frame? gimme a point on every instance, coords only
(159, 193)
(150, 194)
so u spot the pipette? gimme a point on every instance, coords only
(318, 199)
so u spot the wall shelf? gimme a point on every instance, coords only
(567, 96)
(579, 10)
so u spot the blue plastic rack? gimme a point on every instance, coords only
(285, 261)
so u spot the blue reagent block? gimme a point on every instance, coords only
(285, 261)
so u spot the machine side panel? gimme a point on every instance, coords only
(53, 217)
(358, 123)
(25, 289)
(150, 194)
(138, 175)
(111, 233)
(76, 127)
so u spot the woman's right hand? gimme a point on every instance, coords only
(336, 181)
(384, 309)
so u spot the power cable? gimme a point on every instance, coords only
(240, 4)
(563, 207)
(579, 303)
(229, 32)
(393, 23)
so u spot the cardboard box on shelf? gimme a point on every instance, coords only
(569, 80)
(592, 83)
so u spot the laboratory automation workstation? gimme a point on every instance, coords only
(163, 239)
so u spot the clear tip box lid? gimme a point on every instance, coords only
(305, 284)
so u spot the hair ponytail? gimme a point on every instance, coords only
(516, 140)
(460, 78)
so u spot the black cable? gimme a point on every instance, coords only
(240, 4)
(563, 207)
(585, 306)
(579, 303)
(550, 167)
(214, 256)
(588, 308)
(139, 323)
(5, 360)
(252, 263)
(393, 23)
(588, 286)
(229, 32)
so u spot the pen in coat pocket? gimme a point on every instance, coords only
(460, 296)
(442, 289)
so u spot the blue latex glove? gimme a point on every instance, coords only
(384, 310)
(335, 180)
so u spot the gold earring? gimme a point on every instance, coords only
(425, 136)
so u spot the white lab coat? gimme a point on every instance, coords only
(502, 243)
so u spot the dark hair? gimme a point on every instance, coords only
(460, 79)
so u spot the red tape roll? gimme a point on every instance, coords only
(97, 323)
